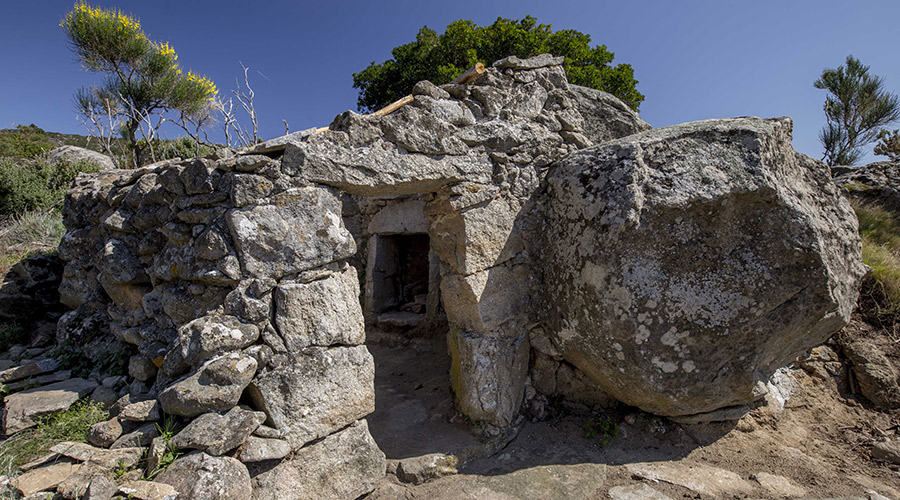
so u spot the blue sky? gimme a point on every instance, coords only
(694, 59)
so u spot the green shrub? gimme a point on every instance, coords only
(36, 183)
(182, 147)
(10, 334)
(25, 141)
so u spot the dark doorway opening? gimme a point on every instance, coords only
(400, 279)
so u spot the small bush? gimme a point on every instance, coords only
(25, 141)
(29, 234)
(68, 425)
(879, 299)
(37, 183)
(10, 334)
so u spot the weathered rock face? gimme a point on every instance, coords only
(685, 265)
(346, 464)
(877, 181)
(74, 153)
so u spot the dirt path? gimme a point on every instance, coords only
(817, 447)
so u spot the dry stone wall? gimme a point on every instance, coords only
(230, 282)
(553, 214)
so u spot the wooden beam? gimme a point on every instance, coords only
(394, 106)
(470, 74)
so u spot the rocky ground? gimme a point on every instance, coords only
(828, 441)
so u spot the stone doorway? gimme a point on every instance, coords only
(402, 278)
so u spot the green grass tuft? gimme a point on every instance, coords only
(880, 291)
(29, 234)
(68, 425)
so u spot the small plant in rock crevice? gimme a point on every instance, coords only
(601, 427)
(167, 431)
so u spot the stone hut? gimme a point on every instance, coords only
(564, 248)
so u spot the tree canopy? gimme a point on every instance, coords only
(441, 58)
(856, 110)
(143, 78)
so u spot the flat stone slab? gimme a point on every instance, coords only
(43, 479)
(109, 459)
(28, 370)
(23, 407)
(581, 481)
(40, 380)
(779, 486)
(148, 490)
(144, 411)
(703, 479)
(640, 491)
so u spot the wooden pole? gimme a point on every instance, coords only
(394, 106)
(470, 74)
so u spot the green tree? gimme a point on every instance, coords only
(441, 58)
(856, 110)
(888, 145)
(143, 78)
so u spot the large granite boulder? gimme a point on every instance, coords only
(684, 265)
(74, 153)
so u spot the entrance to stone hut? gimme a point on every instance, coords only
(406, 334)
(400, 280)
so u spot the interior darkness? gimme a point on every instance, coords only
(400, 280)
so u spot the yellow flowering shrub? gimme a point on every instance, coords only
(144, 77)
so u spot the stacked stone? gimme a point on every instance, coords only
(478, 155)
(230, 281)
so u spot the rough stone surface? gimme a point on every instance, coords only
(75, 486)
(271, 239)
(317, 393)
(216, 386)
(212, 335)
(768, 257)
(23, 407)
(488, 374)
(322, 313)
(104, 434)
(879, 182)
(216, 434)
(43, 479)
(100, 488)
(417, 470)
(199, 476)
(353, 169)
(779, 486)
(875, 373)
(144, 411)
(108, 459)
(347, 464)
(74, 153)
(148, 490)
(258, 449)
(605, 116)
(703, 479)
(887, 450)
(140, 437)
(638, 491)
(28, 370)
